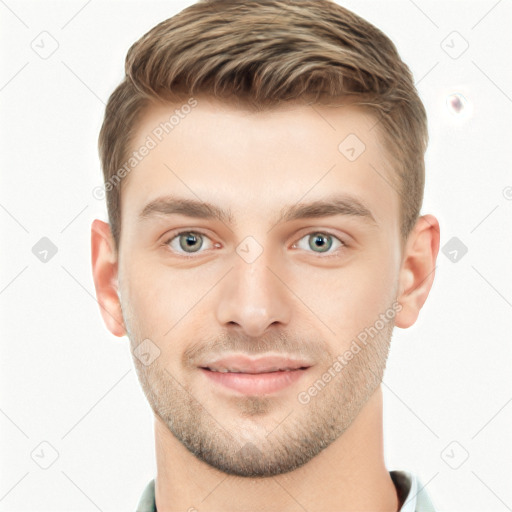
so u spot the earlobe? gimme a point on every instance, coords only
(104, 269)
(418, 269)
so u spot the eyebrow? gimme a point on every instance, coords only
(341, 204)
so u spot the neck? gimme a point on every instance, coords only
(348, 475)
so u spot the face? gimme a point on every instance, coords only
(294, 264)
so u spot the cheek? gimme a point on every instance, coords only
(146, 292)
(349, 299)
(159, 299)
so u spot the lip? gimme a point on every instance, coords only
(255, 383)
(266, 364)
(250, 376)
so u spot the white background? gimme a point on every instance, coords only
(66, 381)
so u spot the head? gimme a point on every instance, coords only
(264, 181)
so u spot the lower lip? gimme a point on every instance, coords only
(256, 383)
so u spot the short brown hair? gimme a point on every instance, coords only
(263, 53)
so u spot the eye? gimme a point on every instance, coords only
(186, 242)
(322, 241)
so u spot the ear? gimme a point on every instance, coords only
(418, 269)
(104, 270)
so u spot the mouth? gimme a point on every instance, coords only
(255, 376)
(267, 364)
(273, 370)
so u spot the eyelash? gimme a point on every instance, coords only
(319, 255)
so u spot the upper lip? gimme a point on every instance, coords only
(244, 364)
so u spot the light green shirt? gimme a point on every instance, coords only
(410, 491)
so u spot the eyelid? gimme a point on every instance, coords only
(325, 231)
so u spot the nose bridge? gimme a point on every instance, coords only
(252, 296)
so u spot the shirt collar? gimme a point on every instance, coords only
(411, 493)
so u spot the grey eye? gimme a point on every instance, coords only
(187, 242)
(319, 242)
(191, 240)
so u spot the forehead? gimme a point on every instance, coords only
(254, 163)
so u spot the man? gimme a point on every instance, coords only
(264, 174)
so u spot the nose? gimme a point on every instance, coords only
(253, 296)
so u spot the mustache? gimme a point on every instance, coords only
(277, 344)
